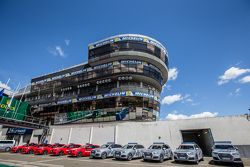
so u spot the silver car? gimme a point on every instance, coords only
(6, 145)
(224, 151)
(106, 150)
(158, 152)
(130, 151)
(188, 151)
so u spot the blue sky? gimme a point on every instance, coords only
(208, 42)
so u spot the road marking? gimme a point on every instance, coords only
(29, 164)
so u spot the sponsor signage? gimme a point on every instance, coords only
(131, 62)
(61, 76)
(18, 131)
(127, 38)
(108, 95)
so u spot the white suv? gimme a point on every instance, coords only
(6, 145)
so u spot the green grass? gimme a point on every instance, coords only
(1, 165)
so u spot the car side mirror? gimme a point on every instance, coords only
(197, 148)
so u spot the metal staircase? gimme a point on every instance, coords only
(13, 120)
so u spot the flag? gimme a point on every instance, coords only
(1, 93)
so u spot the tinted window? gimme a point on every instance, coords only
(157, 147)
(105, 146)
(186, 147)
(6, 142)
(128, 146)
(228, 147)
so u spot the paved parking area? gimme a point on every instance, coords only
(65, 161)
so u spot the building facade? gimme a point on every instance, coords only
(122, 80)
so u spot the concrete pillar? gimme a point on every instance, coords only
(91, 134)
(117, 84)
(51, 136)
(115, 133)
(32, 136)
(20, 140)
(69, 135)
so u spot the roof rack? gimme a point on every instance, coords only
(132, 143)
(227, 142)
(188, 142)
(158, 143)
(110, 142)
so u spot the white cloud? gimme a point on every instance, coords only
(60, 51)
(172, 74)
(57, 51)
(175, 116)
(235, 93)
(230, 74)
(4, 86)
(67, 41)
(172, 99)
(245, 79)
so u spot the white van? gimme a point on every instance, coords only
(6, 145)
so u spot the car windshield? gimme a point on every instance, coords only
(186, 147)
(228, 147)
(65, 146)
(128, 146)
(158, 147)
(105, 146)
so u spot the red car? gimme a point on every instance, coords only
(18, 149)
(46, 149)
(30, 148)
(64, 150)
(82, 151)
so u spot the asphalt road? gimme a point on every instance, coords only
(65, 161)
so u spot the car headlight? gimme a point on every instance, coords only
(215, 153)
(236, 154)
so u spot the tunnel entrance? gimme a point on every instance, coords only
(202, 137)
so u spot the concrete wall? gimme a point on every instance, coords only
(231, 128)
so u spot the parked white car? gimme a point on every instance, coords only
(6, 145)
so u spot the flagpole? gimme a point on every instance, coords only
(8, 106)
(20, 100)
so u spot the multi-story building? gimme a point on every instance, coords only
(122, 80)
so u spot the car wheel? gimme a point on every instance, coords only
(79, 154)
(130, 157)
(197, 160)
(145, 160)
(45, 152)
(104, 155)
(30, 152)
(60, 153)
(161, 158)
(7, 149)
(171, 156)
